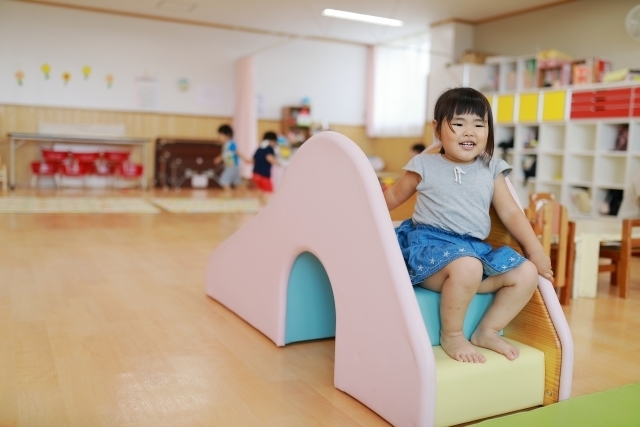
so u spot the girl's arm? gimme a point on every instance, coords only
(400, 192)
(518, 225)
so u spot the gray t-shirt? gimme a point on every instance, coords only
(454, 196)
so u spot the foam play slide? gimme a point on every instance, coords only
(329, 216)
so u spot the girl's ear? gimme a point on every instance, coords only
(434, 125)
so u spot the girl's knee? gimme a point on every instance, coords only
(466, 267)
(527, 274)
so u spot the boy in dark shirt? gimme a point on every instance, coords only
(263, 158)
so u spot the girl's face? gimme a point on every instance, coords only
(467, 140)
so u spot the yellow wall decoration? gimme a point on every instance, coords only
(66, 76)
(109, 79)
(46, 69)
(86, 71)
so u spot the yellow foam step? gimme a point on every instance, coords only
(472, 391)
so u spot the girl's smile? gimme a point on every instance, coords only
(464, 138)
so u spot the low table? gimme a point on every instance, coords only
(589, 234)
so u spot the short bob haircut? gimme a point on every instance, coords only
(464, 100)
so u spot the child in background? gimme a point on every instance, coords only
(263, 159)
(417, 149)
(443, 243)
(231, 173)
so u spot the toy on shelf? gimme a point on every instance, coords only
(325, 261)
(553, 68)
(590, 70)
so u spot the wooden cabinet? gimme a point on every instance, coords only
(174, 156)
(296, 124)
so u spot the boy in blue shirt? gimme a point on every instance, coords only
(231, 173)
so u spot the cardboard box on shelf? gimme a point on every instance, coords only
(473, 57)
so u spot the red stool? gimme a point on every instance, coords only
(116, 157)
(53, 156)
(75, 170)
(46, 169)
(129, 171)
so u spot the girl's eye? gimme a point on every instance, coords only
(479, 126)
(457, 124)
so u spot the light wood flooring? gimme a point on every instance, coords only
(104, 322)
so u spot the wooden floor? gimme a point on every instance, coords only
(104, 322)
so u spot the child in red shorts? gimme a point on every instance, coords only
(264, 157)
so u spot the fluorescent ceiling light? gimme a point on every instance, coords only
(360, 17)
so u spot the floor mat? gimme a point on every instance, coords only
(617, 407)
(76, 205)
(208, 205)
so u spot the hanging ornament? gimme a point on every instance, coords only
(183, 85)
(19, 77)
(86, 71)
(66, 76)
(109, 79)
(46, 69)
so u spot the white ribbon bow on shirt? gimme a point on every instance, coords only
(457, 172)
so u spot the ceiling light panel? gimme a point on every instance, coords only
(333, 13)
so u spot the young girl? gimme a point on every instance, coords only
(443, 243)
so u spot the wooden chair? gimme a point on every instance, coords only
(550, 222)
(620, 254)
(534, 201)
(4, 177)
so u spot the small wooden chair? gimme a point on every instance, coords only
(620, 254)
(551, 224)
(534, 201)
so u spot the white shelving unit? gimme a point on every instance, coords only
(571, 156)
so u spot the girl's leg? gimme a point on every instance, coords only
(457, 283)
(514, 290)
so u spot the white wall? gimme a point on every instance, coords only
(332, 74)
(583, 28)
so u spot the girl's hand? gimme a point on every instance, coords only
(543, 264)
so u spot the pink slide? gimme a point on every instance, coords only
(330, 204)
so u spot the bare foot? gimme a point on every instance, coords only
(488, 338)
(458, 348)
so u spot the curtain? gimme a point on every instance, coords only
(245, 120)
(396, 91)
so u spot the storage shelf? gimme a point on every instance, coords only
(553, 152)
(622, 154)
(582, 153)
(580, 183)
(609, 186)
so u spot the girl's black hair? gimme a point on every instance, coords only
(464, 100)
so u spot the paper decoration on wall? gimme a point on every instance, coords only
(183, 85)
(86, 71)
(146, 91)
(46, 69)
(66, 76)
(19, 77)
(109, 79)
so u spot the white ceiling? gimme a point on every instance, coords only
(303, 17)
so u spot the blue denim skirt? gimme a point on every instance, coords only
(427, 249)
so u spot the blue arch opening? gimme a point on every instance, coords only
(311, 308)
